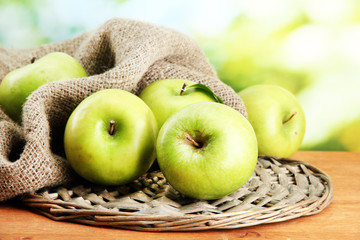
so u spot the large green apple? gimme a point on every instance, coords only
(110, 137)
(207, 150)
(166, 96)
(277, 118)
(17, 85)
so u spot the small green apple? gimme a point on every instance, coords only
(277, 118)
(166, 96)
(207, 150)
(17, 85)
(110, 137)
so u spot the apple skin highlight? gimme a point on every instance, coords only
(277, 118)
(110, 137)
(17, 85)
(224, 160)
(165, 97)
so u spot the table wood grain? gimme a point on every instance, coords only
(340, 220)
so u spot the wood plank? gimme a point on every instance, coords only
(340, 220)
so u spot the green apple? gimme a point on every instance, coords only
(17, 85)
(277, 118)
(166, 96)
(207, 150)
(110, 137)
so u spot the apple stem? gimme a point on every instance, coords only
(33, 60)
(112, 127)
(188, 137)
(182, 89)
(289, 118)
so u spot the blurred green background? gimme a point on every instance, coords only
(311, 48)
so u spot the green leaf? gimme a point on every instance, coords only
(206, 89)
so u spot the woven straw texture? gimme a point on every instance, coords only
(121, 53)
(279, 190)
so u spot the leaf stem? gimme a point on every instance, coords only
(111, 127)
(196, 144)
(182, 89)
(289, 118)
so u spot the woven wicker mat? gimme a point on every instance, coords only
(279, 190)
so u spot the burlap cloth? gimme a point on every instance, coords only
(121, 53)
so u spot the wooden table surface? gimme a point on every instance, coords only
(340, 220)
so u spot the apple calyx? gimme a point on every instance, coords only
(32, 60)
(111, 127)
(292, 115)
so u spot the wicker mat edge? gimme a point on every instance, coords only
(249, 206)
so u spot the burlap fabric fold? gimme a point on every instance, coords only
(121, 53)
